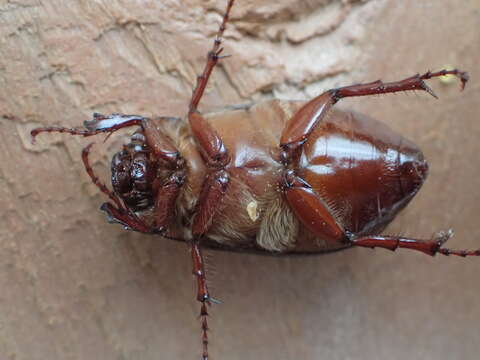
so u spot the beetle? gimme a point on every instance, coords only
(279, 177)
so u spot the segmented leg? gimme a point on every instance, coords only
(430, 247)
(213, 190)
(99, 125)
(215, 186)
(317, 217)
(308, 117)
(162, 148)
(212, 59)
(312, 211)
(127, 219)
(166, 200)
(202, 293)
(120, 213)
(103, 188)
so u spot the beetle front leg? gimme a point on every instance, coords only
(103, 188)
(126, 218)
(166, 197)
(120, 213)
(161, 145)
(100, 124)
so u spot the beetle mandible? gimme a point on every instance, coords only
(301, 182)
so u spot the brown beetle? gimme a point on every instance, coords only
(279, 177)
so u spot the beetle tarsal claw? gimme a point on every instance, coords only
(110, 218)
(429, 90)
(464, 77)
(441, 237)
(214, 301)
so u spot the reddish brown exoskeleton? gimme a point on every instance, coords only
(278, 177)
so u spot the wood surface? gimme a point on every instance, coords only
(74, 287)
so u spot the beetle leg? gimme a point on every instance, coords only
(202, 293)
(103, 188)
(318, 218)
(415, 82)
(300, 126)
(310, 209)
(126, 218)
(430, 247)
(213, 190)
(212, 59)
(161, 145)
(167, 194)
(211, 195)
(166, 199)
(215, 185)
(99, 125)
(119, 214)
(211, 145)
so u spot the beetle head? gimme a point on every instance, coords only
(133, 173)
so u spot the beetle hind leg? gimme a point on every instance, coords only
(311, 210)
(316, 216)
(430, 247)
(307, 118)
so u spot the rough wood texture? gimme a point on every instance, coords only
(74, 287)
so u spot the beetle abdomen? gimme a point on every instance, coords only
(362, 169)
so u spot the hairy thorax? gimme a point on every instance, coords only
(253, 214)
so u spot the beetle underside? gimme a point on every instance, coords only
(280, 177)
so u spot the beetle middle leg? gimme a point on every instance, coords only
(212, 193)
(212, 59)
(216, 183)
